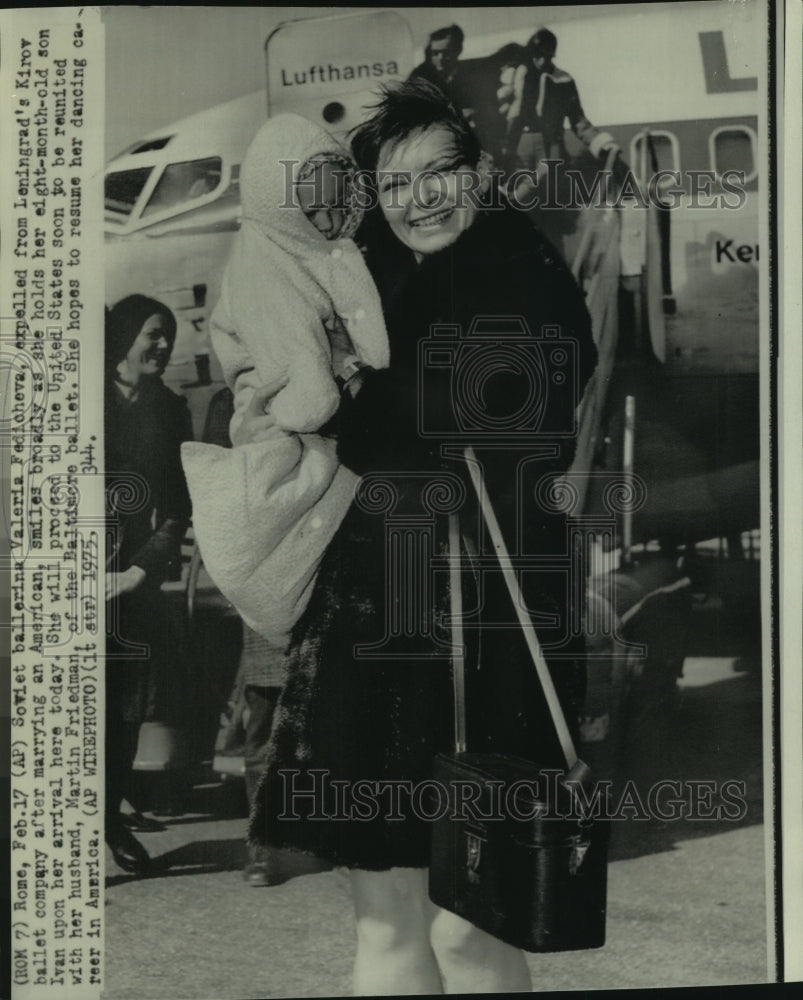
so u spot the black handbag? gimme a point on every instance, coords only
(517, 852)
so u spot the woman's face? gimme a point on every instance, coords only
(149, 353)
(422, 185)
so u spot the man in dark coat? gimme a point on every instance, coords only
(441, 66)
(548, 99)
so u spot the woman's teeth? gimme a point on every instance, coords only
(432, 220)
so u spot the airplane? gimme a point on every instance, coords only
(689, 106)
(172, 198)
(680, 94)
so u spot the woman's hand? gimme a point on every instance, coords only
(257, 423)
(118, 584)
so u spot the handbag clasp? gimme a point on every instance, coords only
(579, 847)
(473, 855)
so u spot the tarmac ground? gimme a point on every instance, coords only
(686, 898)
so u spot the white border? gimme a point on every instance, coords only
(768, 539)
(790, 494)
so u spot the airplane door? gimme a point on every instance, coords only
(330, 69)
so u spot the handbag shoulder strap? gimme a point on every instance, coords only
(534, 647)
(458, 651)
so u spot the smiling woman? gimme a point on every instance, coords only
(362, 708)
(149, 353)
(426, 203)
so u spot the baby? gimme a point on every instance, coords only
(264, 512)
(294, 271)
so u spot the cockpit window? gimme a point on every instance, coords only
(123, 188)
(151, 146)
(184, 182)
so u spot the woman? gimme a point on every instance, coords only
(148, 510)
(367, 704)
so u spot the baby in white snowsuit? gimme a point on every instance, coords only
(264, 513)
(293, 270)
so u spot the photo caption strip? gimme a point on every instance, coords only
(51, 324)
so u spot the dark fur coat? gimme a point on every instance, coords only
(368, 697)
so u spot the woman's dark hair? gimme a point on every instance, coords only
(404, 109)
(125, 320)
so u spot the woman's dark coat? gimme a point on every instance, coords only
(147, 511)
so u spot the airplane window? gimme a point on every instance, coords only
(732, 149)
(123, 188)
(184, 182)
(663, 153)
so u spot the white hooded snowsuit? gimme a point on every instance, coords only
(264, 513)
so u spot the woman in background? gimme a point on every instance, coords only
(148, 511)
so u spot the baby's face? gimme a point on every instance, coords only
(322, 199)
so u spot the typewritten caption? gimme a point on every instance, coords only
(51, 344)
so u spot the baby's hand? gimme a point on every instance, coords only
(340, 342)
(257, 423)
